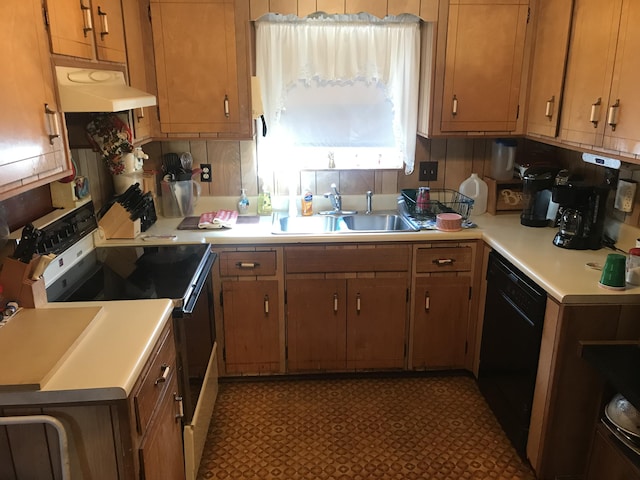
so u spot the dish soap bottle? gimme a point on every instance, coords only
(243, 203)
(264, 202)
(307, 202)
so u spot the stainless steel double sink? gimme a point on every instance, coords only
(342, 223)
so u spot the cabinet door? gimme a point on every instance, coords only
(441, 312)
(483, 66)
(251, 333)
(316, 324)
(551, 44)
(71, 27)
(27, 156)
(196, 66)
(376, 322)
(589, 70)
(608, 459)
(139, 59)
(109, 30)
(161, 452)
(625, 136)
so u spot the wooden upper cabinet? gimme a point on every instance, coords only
(139, 62)
(109, 30)
(623, 133)
(28, 156)
(589, 71)
(553, 24)
(482, 66)
(85, 29)
(201, 66)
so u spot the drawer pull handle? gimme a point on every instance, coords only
(226, 106)
(266, 304)
(335, 303)
(549, 110)
(454, 106)
(104, 24)
(86, 17)
(427, 301)
(165, 374)
(443, 261)
(612, 118)
(180, 413)
(358, 303)
(52, 123)
(248, 265)
(595, 112)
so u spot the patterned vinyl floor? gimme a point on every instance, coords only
(365, 428)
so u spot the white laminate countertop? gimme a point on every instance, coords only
(562, 273)
(105, 365)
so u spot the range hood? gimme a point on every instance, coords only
(94, 90)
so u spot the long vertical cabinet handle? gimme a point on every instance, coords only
(226, 105)
(86, 16)
(335, 303)
(454, 106)
(595, 112)
(266, 304)
(140, 113)
(548, 112)
(104, 23)
(178, 399)
(427, 301)
(358, 303)
(612, 117)
(53, 124)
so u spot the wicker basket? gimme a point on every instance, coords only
(441, 201)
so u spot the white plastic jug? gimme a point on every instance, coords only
(475, 188)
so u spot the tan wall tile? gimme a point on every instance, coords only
(285, 7)
(306, 7)
(374, 7)
(353, 182)
(429, 10)
(224, 156)
(257, 8)
(396, 7)
(331, 6)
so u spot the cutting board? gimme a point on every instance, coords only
(36, 341)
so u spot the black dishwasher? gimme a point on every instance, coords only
(511, 335)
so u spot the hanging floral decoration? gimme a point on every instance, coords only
(112, 137)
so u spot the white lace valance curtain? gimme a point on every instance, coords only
(343, 48)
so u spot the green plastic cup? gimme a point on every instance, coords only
(613, 272)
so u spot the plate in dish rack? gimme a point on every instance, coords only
(623, 415)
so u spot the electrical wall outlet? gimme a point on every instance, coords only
(428, 171)
(205, 174)
(625, 195)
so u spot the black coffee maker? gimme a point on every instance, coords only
(582, 213)
(536, 195)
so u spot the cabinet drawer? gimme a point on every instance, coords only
(448, 259)
(396, 258)
(247, 263)
(155, 379)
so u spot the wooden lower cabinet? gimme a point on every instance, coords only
(354, 324)
(251, 326)
(441, 313)
(609, 460)
(134, 438)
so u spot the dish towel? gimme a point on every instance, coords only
(219, 219)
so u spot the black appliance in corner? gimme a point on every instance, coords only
(511, 336)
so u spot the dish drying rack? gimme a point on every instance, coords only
(440, 201)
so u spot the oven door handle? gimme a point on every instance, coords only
(202, 278)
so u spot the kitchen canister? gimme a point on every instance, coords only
(476, 189)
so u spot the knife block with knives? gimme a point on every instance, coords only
(130, 213)
(16, 278)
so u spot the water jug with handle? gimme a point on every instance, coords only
(476, 189)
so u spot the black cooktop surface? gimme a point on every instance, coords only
(132, 273)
